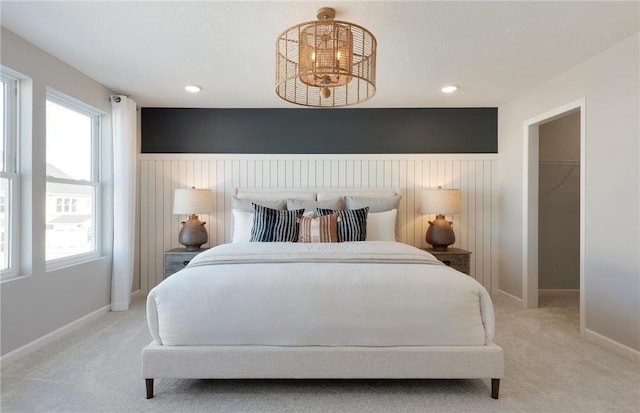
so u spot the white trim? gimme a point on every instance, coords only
(612, 345)
(14, 278)
(335, 156)
(137, 293)
(530, 214)
(60, 263)
(509, 296)
(11, 172)
(52, 336)
(530, 205)
(583, 215)
(72, 103)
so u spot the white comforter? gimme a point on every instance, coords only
(343, 294)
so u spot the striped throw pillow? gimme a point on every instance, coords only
(352, 225)
(272, 225)
(320, 229)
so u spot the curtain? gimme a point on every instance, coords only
(124, 128)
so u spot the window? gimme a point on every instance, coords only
(73, 186)
(9, 178)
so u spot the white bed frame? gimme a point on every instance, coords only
(271, 362)
(317, 362)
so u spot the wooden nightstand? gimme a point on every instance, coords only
(178, 258)
(453, 257)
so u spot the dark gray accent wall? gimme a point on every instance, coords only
(320, 131)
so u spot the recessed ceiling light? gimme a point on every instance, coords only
(192, 88)
(449, 88)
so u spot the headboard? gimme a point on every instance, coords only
(312, 193)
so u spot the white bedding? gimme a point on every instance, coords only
(342, 294)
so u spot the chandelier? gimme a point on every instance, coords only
(326, 63)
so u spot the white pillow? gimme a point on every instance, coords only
(263, 194)
(247, 204)
(375, 204)
(365, 193)
(381, 226)
(242, 224)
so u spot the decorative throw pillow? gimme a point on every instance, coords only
(352, 225)
(272, 225)
(320, 229)
(310, 214)
(381, 226)
(377, 204)
(242, 224)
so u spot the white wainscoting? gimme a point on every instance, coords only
(476, 228)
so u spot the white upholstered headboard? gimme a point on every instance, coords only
(311, 193)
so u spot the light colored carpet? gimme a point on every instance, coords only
(549, 368)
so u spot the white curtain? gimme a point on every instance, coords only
(123, 115)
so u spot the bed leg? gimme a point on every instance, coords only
(495, 388)
(149, 383)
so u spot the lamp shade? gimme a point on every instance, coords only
(193, 201)
(440, 201)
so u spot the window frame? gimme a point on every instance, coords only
(11, 106)
(95, 182)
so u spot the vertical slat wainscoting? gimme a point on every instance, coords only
(476, 227)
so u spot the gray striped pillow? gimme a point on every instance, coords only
(352, 225)
(272, 225)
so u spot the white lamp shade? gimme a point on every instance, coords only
(440, 201)
(193, 201)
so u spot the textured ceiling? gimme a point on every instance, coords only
(149, 50)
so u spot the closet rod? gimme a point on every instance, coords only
(570, 163)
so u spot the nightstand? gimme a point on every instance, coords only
(453, 257)
(178, 258)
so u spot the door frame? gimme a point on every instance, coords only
(530, 204)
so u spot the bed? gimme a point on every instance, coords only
(370, 309)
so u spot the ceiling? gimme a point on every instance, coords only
(150, 50)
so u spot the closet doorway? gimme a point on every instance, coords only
(559, 214)
(553, 209)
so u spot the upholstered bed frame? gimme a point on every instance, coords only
(269, 362)
(316, 362)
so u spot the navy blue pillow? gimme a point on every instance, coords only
(352, 225)
(272, 225)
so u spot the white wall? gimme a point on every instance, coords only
(475, 175)
(39, 302)
(610, 86)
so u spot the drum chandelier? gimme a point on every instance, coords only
(326, 63)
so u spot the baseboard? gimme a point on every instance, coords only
(612, 345)
(551, 291)
(136, 294)
(52, 336)
(510, 297)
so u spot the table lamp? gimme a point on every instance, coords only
(440, 201)
(192, 201)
